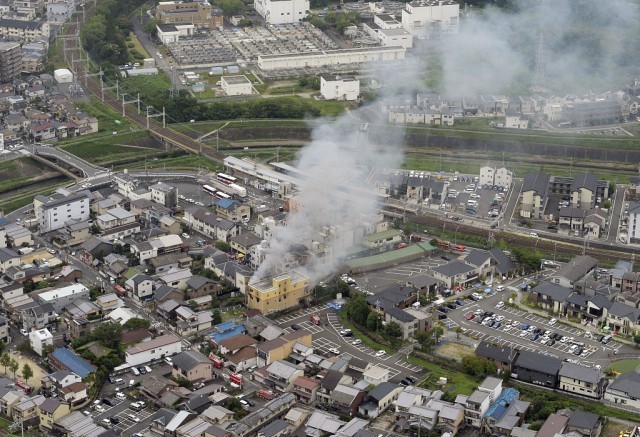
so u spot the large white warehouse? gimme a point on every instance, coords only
(426, 19)
(282, 11)
(330, 57)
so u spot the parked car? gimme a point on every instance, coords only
(381, 353)
(442, 309)
(296, 327)
(405, 382)
(534, 337)
(114, 420)
(458, 302)
(469, 316)
(135, 371)
(335, 351)
(445, 257)
(442, 316)
(108, 401)
(451, 306)
(356, 342)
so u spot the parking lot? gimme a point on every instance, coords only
(467, 197)
(127, 418)
(511, 333)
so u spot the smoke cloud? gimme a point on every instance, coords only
(335, 200)
(588, 45)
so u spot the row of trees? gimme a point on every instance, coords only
(12, 364)
(104, 32)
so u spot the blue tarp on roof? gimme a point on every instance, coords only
(217, 337)
(225, 326)
(225, 203)
(73, 362)
(506, 398)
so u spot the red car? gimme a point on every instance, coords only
(469, 316)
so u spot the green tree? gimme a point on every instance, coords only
(95, 229)
(373, 321)
(150, 27)
(422, 298)
(14, 366)
(3, 346)
(223, 246)
(5, 360)
(136, 323)
(358, 309)
(231, 7)
(526, 258)
(27, 373)
(458, 331)
(393, 330)
(343, 288)
(217, 317)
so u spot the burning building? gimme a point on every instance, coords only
(279, 292)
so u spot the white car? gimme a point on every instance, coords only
(500, 288)
(24, 331)
(381, 353)
(99, 408)
(523, 334)
(181, 197)
(564, 340)
(334, 350)
(135, 371)
(133, 417)
(51, 251)
(185, 235)
(500, 318)
(552, 322)
(500, 305)
(356, 342)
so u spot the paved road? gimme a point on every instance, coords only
(326, 337)
(85, 167)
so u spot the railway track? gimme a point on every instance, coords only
(558, 244)
(165, 134)
(185, 142)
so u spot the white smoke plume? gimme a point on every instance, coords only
(588, 46)
(335, 193)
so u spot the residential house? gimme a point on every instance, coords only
(280, 375)
(585, 424)
(623, 319)
(376, 375)
(592, 309)
(456, 273)
(551, 296)
(235, 343)
(272, 410)
(233, 210)
(176, 277)
(534, 194)
(76, 424)
(574, 271)
(281, 347)
(625, 390)
(156, 349)
(193, 366)
(39, 339)
(198, 286)
(189, 322)
(501, 356)
(537, 369)
(49, 412)
(506, 413)
(379, 399)
(140, 287)
(156, 386)
(451, 418)
(406, 321)
(306, 389)
(164, 263)
(346, 398)
(582, 380)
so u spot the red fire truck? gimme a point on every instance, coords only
(217, 361)
(266, 394)
(235, 378)
(25, 388)
(315, 319)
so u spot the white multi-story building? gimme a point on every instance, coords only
(61, 297)
(282, 11)
(426, 19)
(495, 176)
(39, 339)
(156, 349)
(339, 87)
(236, 85)
(633, 224)
(52, 213)
(388, 31)
(60, 11)
(164, 194)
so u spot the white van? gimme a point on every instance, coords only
(533, 235)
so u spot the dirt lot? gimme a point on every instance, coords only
(38, 372)
(454, 351)
(613, 428)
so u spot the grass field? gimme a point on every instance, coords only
(112, 148)
(108, 120)
(624, 366)
(457, 382)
